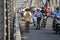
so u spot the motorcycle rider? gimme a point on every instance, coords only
(43, 10)
(38, 14)
(56, 13)
(47, 11)
(44, 18)
(27, 17)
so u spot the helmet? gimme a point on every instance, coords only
(27, 9)
(39, 9)
(57, 8)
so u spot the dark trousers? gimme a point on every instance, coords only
(38, 23)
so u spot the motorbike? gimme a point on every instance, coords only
(44, 19)
(56, 24)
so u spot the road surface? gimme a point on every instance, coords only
(43, 34)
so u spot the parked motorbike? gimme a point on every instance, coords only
(56, 24)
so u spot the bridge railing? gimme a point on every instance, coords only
(17, 34)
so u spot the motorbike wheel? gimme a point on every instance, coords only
(54, 27)
(44, 24)
(59, 32)
(56, 31)
(38, 27)
(34, 24)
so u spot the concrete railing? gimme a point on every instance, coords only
(17, 35)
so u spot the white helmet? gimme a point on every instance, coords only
(48, 7)
(39, 8)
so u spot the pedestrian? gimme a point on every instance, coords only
(38, 14)
(27, 17)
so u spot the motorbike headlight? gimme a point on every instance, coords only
(58, 16)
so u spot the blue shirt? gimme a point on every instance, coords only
(38, 14)
(56, 14)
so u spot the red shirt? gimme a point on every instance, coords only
(47, 10)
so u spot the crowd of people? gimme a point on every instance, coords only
(35, 16)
